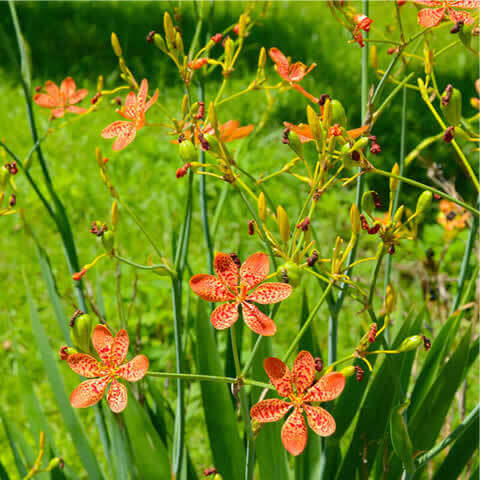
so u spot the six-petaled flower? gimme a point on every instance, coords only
(437, 10)
(240, 286)
(299, 387)
(112, 352)
(134, 111)
(61, 99)
(292, 72)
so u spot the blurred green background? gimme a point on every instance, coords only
(73, 39)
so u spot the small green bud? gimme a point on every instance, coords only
(117, 49)
(108, 241)
(81, 331)
(262, 207)
(355, 219)
(368, 204)
(451, 105)
(348, 371)
(397, 218)
(314, 123)
(294, 143)
(54, 462)
(394, 181)
(188, 152)
(159, 42)
(338, 113)
(283, 224)
(4, 176)
(327, 114)
(410, 343)
(289, 273)
(423, 204)
(360, 143)
(114, 214)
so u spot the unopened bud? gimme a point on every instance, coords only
(449, 134)
(423, 204)
(410, 343)
(368, 203)
(54, 462)
(294, 143)
(108, 241)
(187, 151)
(394, 181)
(114, 214)
(117, 49)
(451, 105)
(338, 113)
(314, 123)
(179, 43)
(348, 371)
(397, 218)
(374, 57)
(159, 42)
(318, 364)
(262, 207)
(355, 219)
(251, 227)
(169, 30)
(389, 300)
(283, 224)
(80, 333)
(327, 114)
(212, 116)
(262, 58)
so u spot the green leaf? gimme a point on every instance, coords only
(227, 448)
(19, 462)
(70, 419)
(400, 438)
(118, 453)
(149, 454)
(3, 473)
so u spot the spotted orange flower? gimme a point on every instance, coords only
(112, 352)
(292, 72)
(134, 111)
(305, 134)
(294, 431)
(452, 216)
(437, 10)
(229, 131)
(240, 286)
(61, 99)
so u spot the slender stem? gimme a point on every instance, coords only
(426, 187)
(375, 276)
(247, 366)
(236, 357)
(144, 267)
(307, 323)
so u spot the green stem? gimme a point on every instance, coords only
(422, 186)
(236, 357)
(145, 267)
(373, 283)
(247, 366)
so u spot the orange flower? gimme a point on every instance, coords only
(112, 352)
(197, 64)
(61, 99)
(134, 111)
(362, 22)
(240, 286)
(452, 216)
(305, 134)
(294, 430)
(437, 9)
(229, 131)
(292, 72)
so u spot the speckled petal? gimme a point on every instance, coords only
(53, 90)
(257, 320)
(466, 4)
(294, 433)
(119, 348)
(226, 270)
(329, 387)
(58, 112)
(44, 100)
(84, 365)
(224, 316)
(210, 288)
(280, 61)
(115, 128)
(102, 341)
(429, 17)
(320, 421)
(303, 371)
(142, 97)
(117, 397)
(279, 374)
(135, 369)
(68, 87)
(126, 136)
(78, 96)
(458, 16)
(152, 100)
(269, 410)
(254, 270)
(89, 392)
(268, 293)
(75, 109)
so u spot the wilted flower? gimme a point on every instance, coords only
(297, 387)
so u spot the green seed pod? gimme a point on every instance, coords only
(453, 110)
(410, 343)
(348, 371)
(355, 219)
(338, 113)
(368, 204)
(159, 42)
(289, 273)
(188, 152)
(108, 241)
(80, 333)
(294, 143)
(423, 204)
(213, 142)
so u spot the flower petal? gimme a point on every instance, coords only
(320, 421)
(303, 372)
(210, 288)
(135, 369)
(68, 87)
(300, 89)
(356, 132)
(280, 61)
(84, 365)
(279, 374)
(466, 4)
(126, 136)
(254, 269)
(102, 341)
(44, 100)
(53, 90)
(114, 129)
(429, 17)
(257, 320)
(75, 109)
(458, 16)
(294, 433)
(224, 316)
(117, 397)
(268, 293)
(58, 112)
(152, 100)
(119, 349)
(89, 392)
(302, 130)
(298, 70)
(226, 270)
(78, 96)
(329, 387)
(130, 109)
(269, 410)
(142, 97)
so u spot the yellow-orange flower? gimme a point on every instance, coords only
(452, 216)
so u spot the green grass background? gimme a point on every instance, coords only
(73, 38)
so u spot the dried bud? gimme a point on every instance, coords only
(95, 98)
(283, 224)
(312, 259)
(447, 95)
(209, 471)
(391, 249)
(458, 26)
(364, 222)
(410, 343)
(12, 167)
(318, 364)
(150, 36)
(203, 142)
(201, 111)
(374, 229)
(372, 333)
(63, 353)
(235, 259)
(262, 207)
(117, 49)
(197, 64)
(323, 99)
(449, 134)
(359, 374)
(426, 343)
(375, 148)
(304, 224)
(251, 227)
(13, 200)
(182, 171)
(78, 275)
(376, 199)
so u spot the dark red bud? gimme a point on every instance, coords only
(323, 98)
(118, 100)
(375, 148)
(285, 138)
(150, 36)
(359, 373)
(13, 200)
(251, 227)
(182, 171)
(364, 222)
(372, 334)
(75, 315)
(449, 134)
(235, 259)
(447, 96)
(318, 364)
(426, 343)
(391, 250)
(312, 260)
(457, 27)
(63, 354)
(217, 38)
(376, 200)
(209, 471)
(374, 229)
(203, 143)
(304, 225)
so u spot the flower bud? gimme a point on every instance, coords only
(289, 273)
(262, 58)
(114, 214)
(368, 204)
(212, 116)
(389, 299)
(80, 333)
(423, 204)
(374, 57)
(212, 142)
(394, 181)
(283, 224)
(397, 218)
(229, 45)
(187, 150)
(108, 241)
(98, 155)
(262, 207)
(338, 113)
(185, 104)
(327, 114)
(355, 219)
(159, 42)
(54, 462)
(410, 343)
(348, 371)
(452, 111)
(117, 49)
(314, 123)
(100, 83)
(294, 143)
(179, 43)
(169, 29)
